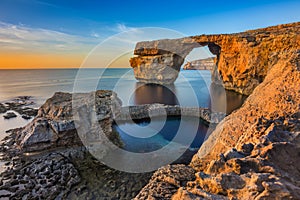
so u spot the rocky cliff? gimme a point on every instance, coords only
(201, 64)
(254, 152)
(242, 59)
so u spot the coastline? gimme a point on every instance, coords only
(251, 153)
(17, 164)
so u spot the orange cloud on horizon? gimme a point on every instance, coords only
(19, 60)
(39, 61)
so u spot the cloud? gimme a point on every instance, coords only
(96, 35)
(20, 37)
(120, 27)
(45, 3)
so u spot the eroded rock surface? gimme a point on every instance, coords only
(254, 152)
(62, 173)
(156, 110)
(54, 126)
(242, 59)
(165, 182)
(161, 69)
(49, 177)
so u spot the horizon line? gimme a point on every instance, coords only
(64, 68)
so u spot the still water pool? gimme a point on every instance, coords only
(150, 135)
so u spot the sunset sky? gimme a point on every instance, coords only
(60, 34)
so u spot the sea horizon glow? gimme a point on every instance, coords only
(40, 34)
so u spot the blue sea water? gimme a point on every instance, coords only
(165, 135)
(41, 84)
(192, 88)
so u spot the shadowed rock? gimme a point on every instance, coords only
(10, 115)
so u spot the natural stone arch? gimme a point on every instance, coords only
(160, 61)
(243, 59)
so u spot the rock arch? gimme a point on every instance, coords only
(160, 61)
(242, 59)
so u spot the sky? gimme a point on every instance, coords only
(62, 33)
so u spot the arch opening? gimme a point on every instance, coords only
(200, 58)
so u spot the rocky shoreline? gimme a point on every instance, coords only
(253, 153)
(47, 154)
(71, 173)
(22, 105)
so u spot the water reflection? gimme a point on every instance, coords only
(154, 93)
(220, 100)
(224, 100)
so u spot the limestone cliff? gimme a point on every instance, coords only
(242, 59)
(254, 152)
(201, 64)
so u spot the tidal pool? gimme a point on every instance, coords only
(186, 131)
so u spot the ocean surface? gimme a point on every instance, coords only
(192, 88)
(42, 84)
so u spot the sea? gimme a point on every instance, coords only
(42, 84)
(192, 88)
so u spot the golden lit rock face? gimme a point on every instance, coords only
(278, 97)
(254, 152)
(243, 59)
(257, 147)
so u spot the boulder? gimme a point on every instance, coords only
(9, 115)
(57, 122)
